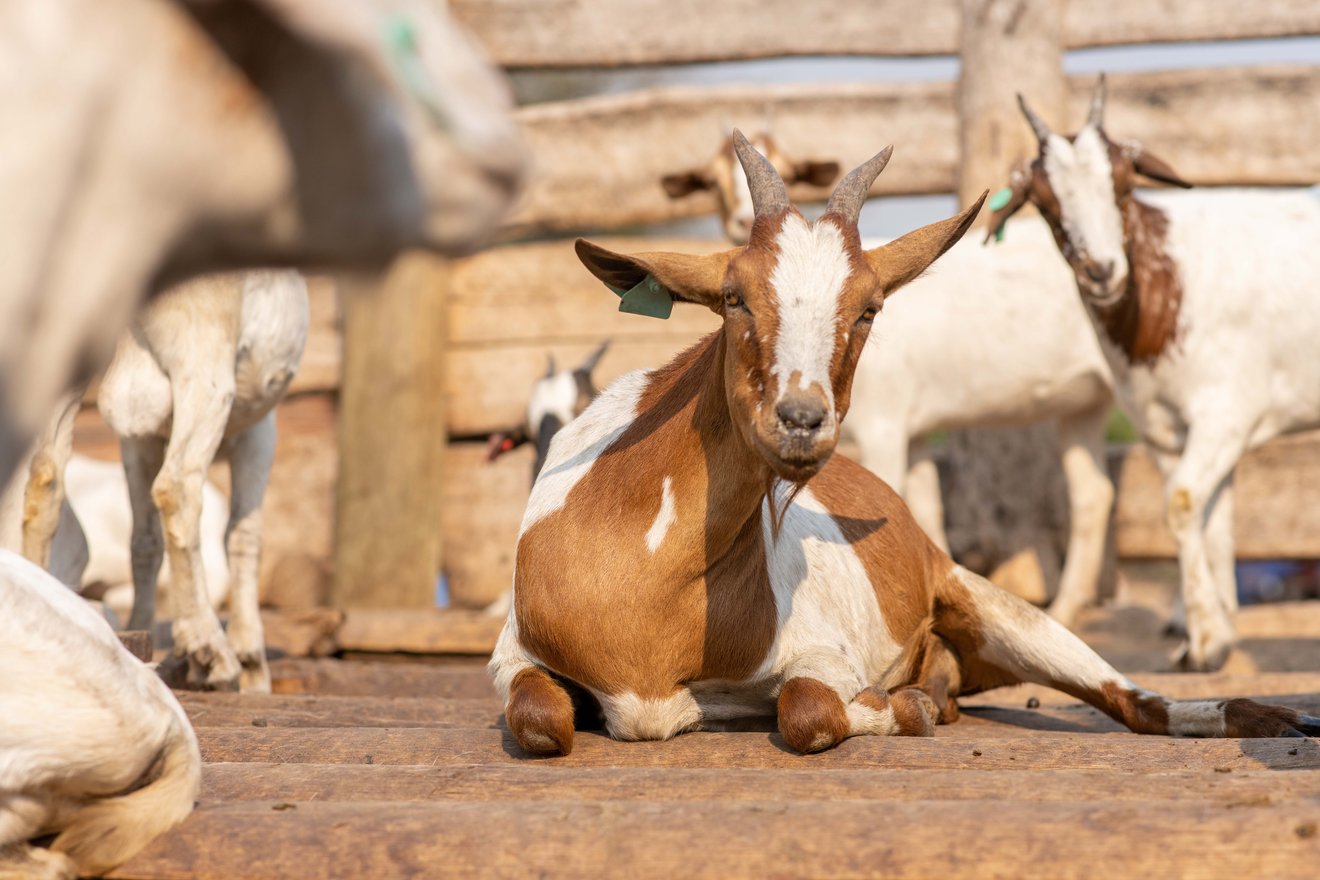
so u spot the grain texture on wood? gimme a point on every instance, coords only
(757, 838)
(568, 35)
(334, 677)
(600, 159)
(258, 710)
(539, 782)
(391, 432)
(421, 631)
(982, 746)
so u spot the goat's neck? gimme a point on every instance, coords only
(1144, 322)
(717, 479)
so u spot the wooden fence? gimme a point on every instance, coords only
(597, 163)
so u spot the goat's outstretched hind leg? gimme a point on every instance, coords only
(1003, 640)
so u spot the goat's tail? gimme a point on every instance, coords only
(1002, 640)
(109, 832)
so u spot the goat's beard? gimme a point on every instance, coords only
(777, 512)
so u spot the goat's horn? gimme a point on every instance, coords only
(852, 191)
(549, 365)
(594, 358)
(1096, 117)
(769, 195)
(1037, 124)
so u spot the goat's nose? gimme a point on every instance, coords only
(1100, 272)
(801, 412)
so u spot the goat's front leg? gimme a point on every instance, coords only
(820, 705)
(201, 411)
(1090, 497)
(1194, 489)
(250, 458)
(142, 458)
(43, 498)
(922, 492)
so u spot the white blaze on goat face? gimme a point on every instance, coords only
(1082, 178)
(810, 273)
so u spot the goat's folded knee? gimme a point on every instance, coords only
(812, 717)
(908, 711)
(540, 713)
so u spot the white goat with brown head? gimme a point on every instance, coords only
(693, 556)
(1205, 306)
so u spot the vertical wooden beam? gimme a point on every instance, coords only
(391, 437)
(1007, 502)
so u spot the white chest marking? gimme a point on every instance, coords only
(655, 536)
(809, 276)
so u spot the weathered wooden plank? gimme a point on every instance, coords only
(1277, 504)
(420, 631)
(334, 677)
(257, 710)
(744, 839)
(600, 159)
(538, 782)
(387, 549)
(519, 34)
(956, 746)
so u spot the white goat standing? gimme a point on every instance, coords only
(93, 747)
(984, 340)
(1206, 308)
(198, 375)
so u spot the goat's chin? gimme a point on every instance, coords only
(796, 462)
(1103, 296)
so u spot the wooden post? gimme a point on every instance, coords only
(1006, 500)
(391, 437)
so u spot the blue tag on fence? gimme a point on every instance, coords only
(647, 297)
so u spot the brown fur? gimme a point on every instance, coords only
(914, 711)
(811, 715)
(540, 713)
(1247, 718)
(1141, 712)
(1144, 323)
(715, 618)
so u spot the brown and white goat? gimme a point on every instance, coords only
(1205, 306)
(692, 555)
(724, 174)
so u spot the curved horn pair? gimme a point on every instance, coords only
(770, 195)
(1095, 117)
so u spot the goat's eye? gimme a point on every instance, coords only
(733, 299)
(868, 316)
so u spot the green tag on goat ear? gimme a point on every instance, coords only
(645, 298)
(1001, 198)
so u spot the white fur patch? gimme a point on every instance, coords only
(1197, 718)
(555, 396)
(1083, 181)
(655, 536)
(830, 624)
(630, 717)
(809, 275)
(576, 448)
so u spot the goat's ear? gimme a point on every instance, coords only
(903, 259)
(687, 277)
(686, 183)
(1147, 164)
(814, 173)
(1019, 187)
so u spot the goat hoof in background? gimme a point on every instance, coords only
(212, 663)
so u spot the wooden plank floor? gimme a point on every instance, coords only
(382, 770)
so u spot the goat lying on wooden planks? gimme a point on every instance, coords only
(93, 748)
(199, 374)
(724, 175)
(1205, 306)
(693, 556)
(148, 141)
(965, 349)
(557, 398)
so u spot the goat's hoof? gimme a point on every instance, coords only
(1210, 658)
(914, 711)
(255, 677)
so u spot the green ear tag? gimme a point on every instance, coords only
(997, 201)
(401, 42)
(646, 298)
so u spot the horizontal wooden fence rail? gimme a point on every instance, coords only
(617, 33)
(598, 161)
